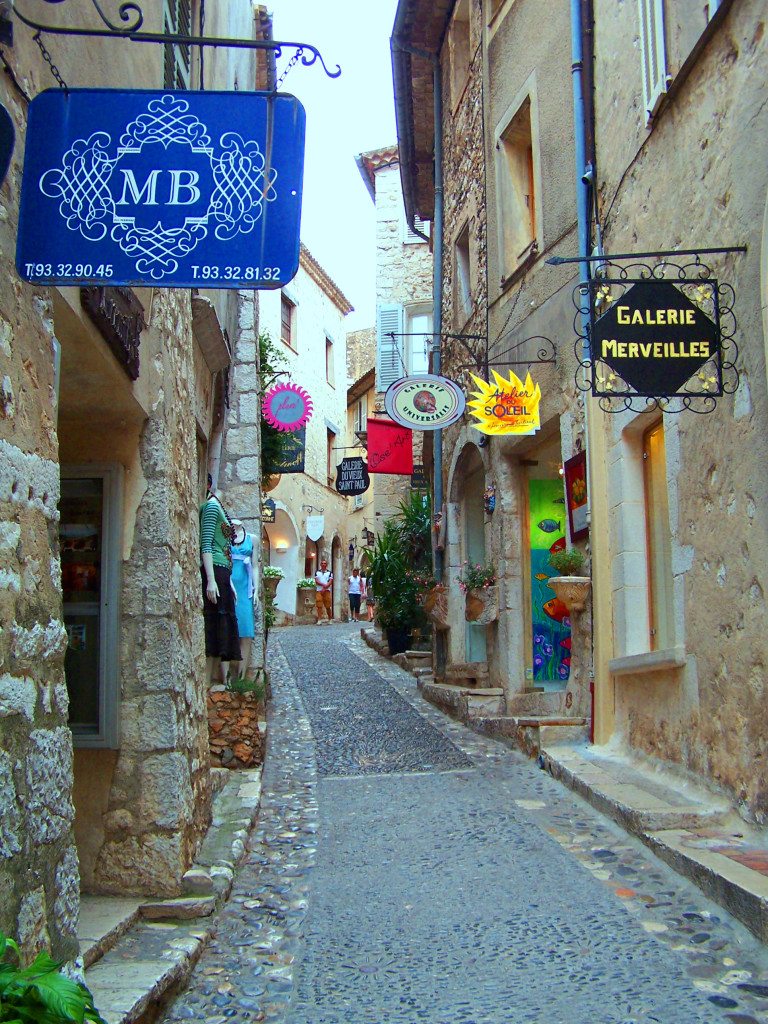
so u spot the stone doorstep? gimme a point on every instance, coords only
(689, 831)
(128, 974)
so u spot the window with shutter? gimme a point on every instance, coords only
(652, 53)
(410, 236)
(177, 20)
(390, 365)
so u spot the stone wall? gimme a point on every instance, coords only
(39, 896)
(233, 721)
(361, 353)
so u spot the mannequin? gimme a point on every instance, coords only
(221, 636)
(244, 564)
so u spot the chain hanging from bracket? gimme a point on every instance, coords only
(290, 65)
(49, 61)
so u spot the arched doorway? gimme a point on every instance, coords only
(284, 554)
(470, 474)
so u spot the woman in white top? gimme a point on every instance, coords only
(356, 591)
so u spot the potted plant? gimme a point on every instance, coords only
(433, 597)
(569, 583)
(306, 609)
(40, 992)
(272, 576)
(398, 611)
(478, 584)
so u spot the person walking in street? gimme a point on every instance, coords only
(370, 601)
(323, 595)
(356, 591)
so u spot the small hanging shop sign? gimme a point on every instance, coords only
(575, 479)
(287, 407)
(352, 476)
(291, 459)
(655, 338)
(149, 188)
(268, 511)
(425, 402)
(506, 405)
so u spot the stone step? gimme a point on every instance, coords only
(641, 800)
(538, 703)
(466, 670)
(103, 921)
(530, 733)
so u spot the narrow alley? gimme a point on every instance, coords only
(404, 869)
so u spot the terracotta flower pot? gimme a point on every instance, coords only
(436, 607)
(482, 605)
(270, 585)
(573, 591)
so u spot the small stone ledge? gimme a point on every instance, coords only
(652, 661)
(183, 908)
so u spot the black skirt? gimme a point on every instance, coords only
(221, 637)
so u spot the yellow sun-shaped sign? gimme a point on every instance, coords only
(506, 406)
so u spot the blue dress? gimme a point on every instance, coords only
(242, 577)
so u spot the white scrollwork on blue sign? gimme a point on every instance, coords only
(99, 192)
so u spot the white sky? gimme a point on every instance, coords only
(345, 116)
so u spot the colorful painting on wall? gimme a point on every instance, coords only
(551, 623)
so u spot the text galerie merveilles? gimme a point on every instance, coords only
(610, 347)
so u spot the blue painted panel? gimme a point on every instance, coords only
(164, 189)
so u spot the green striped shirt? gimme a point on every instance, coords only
(215, 533)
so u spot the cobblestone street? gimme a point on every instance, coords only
(404, 869)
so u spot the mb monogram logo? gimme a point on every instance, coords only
(167, 195)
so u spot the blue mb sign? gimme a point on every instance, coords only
(168, 189)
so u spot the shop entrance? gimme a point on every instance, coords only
(549, 651)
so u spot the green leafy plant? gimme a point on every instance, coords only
(273, 441)
(40, 992)
(306, 583)
(270, 614)
(400, 558)
(272, 572)
(567, 563)
(242, 685)
(476, 576)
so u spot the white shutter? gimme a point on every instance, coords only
(420, 225)
(389, 345)
(652, 53)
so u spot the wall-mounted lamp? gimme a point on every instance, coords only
(281, 547)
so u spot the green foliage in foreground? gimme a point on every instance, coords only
(39, 992)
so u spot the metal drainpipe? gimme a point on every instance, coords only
(582, 210)
(441, 654)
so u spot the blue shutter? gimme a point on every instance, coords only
(390, 345)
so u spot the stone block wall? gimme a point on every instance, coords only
(159, 804)
(240, 473)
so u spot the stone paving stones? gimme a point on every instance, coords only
(407, 870)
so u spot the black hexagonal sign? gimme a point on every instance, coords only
(654, 338)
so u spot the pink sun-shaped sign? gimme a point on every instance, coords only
(287, 407)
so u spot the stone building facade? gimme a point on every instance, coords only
(403, 302)
(685, 682)
(676, 515)
(306, 322)
(509, 205)
(103, 731)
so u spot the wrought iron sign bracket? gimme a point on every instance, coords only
(132, 18)
(628, 357)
